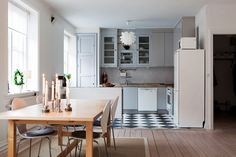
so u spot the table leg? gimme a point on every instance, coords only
(60, 136)
(11, 138)
(89, 139)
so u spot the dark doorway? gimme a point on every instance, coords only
(224, 50)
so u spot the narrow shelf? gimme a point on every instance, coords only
(147, 43)
(110, 43)
(108, 56)
(109, 49)
(127, 51)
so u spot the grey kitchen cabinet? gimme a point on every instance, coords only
(143, 49)
(109, 47)
(169, 50)
(127, 58)
(153, 48)
(130, 98)
(184, 28)
(157, 54)
(161, 98)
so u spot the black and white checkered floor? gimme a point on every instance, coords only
(145, 120)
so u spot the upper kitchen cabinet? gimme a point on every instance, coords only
(184, 28)
(152, 48)
(157, 54)
(143, 49)
(109, 47)
(169, 50)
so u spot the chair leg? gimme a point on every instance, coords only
(40, 146)
(50, 144)
(99, 149)
(80, 148)
(113, 135)
(61, 148)
(76, 150)
(68, 143)
(18, 146)
(105, 146)
(30, 148)
(68, 137)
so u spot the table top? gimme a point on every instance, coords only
(82, 110)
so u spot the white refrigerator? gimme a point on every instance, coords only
(189, 88)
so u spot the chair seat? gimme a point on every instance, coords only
(41, 132)
(97, 123)
(82, 134)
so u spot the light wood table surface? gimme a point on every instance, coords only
(84, 112)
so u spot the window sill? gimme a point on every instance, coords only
(23, 93)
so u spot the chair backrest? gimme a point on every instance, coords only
(105, 117)
(113, 108)
(18, 103)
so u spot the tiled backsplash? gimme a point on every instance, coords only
(141, 75)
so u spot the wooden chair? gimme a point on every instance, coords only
(81, 134)
(112, 118)
(40, 133)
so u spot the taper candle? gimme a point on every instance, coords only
(53, 87)
(43, 84)
(46, 92)
(56, 86)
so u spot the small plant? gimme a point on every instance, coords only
(67, 76)
(18, 78)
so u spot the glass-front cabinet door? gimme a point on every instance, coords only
(143, 48)
(109, 47)
(126, 57)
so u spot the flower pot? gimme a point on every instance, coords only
(126, 47)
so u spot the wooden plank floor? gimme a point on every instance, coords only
(185, 142)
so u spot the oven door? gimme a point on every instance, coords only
(169, 104)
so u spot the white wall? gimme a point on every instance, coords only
(51, 37)
(3, 67)
(214, 19)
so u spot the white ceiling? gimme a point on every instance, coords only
(115, 13)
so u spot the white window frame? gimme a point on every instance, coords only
(71, 51)
(66, 53)
(26, 67)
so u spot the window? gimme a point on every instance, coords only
(22, 47)
(70, 57)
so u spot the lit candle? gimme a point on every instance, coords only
(43, 84)
(46, 92)
(52, 96)
(56, 86)
(59, 89)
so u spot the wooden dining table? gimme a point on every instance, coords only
(84, 112)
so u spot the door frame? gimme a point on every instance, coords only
(95, 59)
(209, 73)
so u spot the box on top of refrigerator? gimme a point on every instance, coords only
(188, 43)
